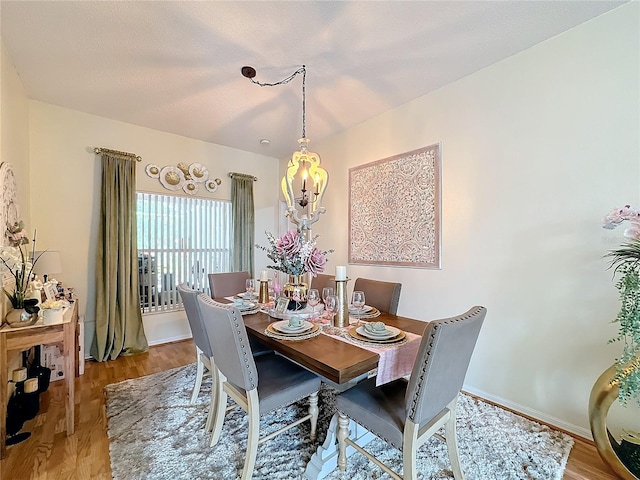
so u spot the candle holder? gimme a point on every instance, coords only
(263, 296)
(341, 319)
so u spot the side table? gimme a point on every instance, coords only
(14, 340)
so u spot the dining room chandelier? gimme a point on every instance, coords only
(305, 181)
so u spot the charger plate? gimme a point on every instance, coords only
(354, 334)
(273, 333)
(366, 309)
(372, 313)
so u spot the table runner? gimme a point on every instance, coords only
(396, 361)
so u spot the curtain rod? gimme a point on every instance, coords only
(99, 150)
(231, 174)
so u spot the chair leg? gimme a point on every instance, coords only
(199, 373)
(452, 442)
(409, 447)
(213, 406)
(254, 431)
(343, 434)
(220, 407)
(313, 411)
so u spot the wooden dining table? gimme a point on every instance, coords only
(341, 364)
(328, 356)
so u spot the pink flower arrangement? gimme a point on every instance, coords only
(619, 215)
(294, 255)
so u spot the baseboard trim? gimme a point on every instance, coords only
(533, 414)
(169, 340)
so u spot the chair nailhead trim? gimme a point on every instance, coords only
(234, 317)
(423, 369)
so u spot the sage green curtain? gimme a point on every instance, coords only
(243, 218)
(119, 329)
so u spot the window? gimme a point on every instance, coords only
(180, 240)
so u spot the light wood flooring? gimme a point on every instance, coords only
(50, 454)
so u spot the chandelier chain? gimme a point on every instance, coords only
(302, 70)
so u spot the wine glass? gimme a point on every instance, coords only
(313, 298)
(326, 291)
(251, 287)
(331, 306)
(357, 301)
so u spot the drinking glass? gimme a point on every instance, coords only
(276, 287)
(313, 298)
(331, 306)
(251, 287)
(357, 301)
(326, 291)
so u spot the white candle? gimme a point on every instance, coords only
(341, 273)
(264, 276)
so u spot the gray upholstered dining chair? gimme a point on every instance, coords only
(204, 354)
(385, 296)
(227, 284)
(259, 384)
(321, 280)
(406, 414)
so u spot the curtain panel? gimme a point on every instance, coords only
(243, 217)
(119, 329)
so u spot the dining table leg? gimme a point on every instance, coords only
(325, 460)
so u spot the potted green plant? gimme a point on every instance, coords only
(625, 261)
(621, 381)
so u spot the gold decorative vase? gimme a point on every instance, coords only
(603, 394)
(19, 317)
(296, 291)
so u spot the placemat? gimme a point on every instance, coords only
(314, 332)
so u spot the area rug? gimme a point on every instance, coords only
(155, 434)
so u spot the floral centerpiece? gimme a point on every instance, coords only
(294, 255)
(625, 261)
(18, 262)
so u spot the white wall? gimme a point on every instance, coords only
(536, 150)
(14, 149)
(14, 128)
(65, 179)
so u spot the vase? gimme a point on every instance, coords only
(296, 291)
(51, 316)
(622, 457)
(19, 317)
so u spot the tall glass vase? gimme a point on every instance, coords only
(296, 291)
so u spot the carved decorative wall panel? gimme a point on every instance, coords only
(394, 210)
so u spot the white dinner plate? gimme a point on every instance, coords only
(284, 327)
(245, 295)
(389, 332)
(246, 306)
(363, 310)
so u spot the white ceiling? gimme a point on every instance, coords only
(174, 66)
